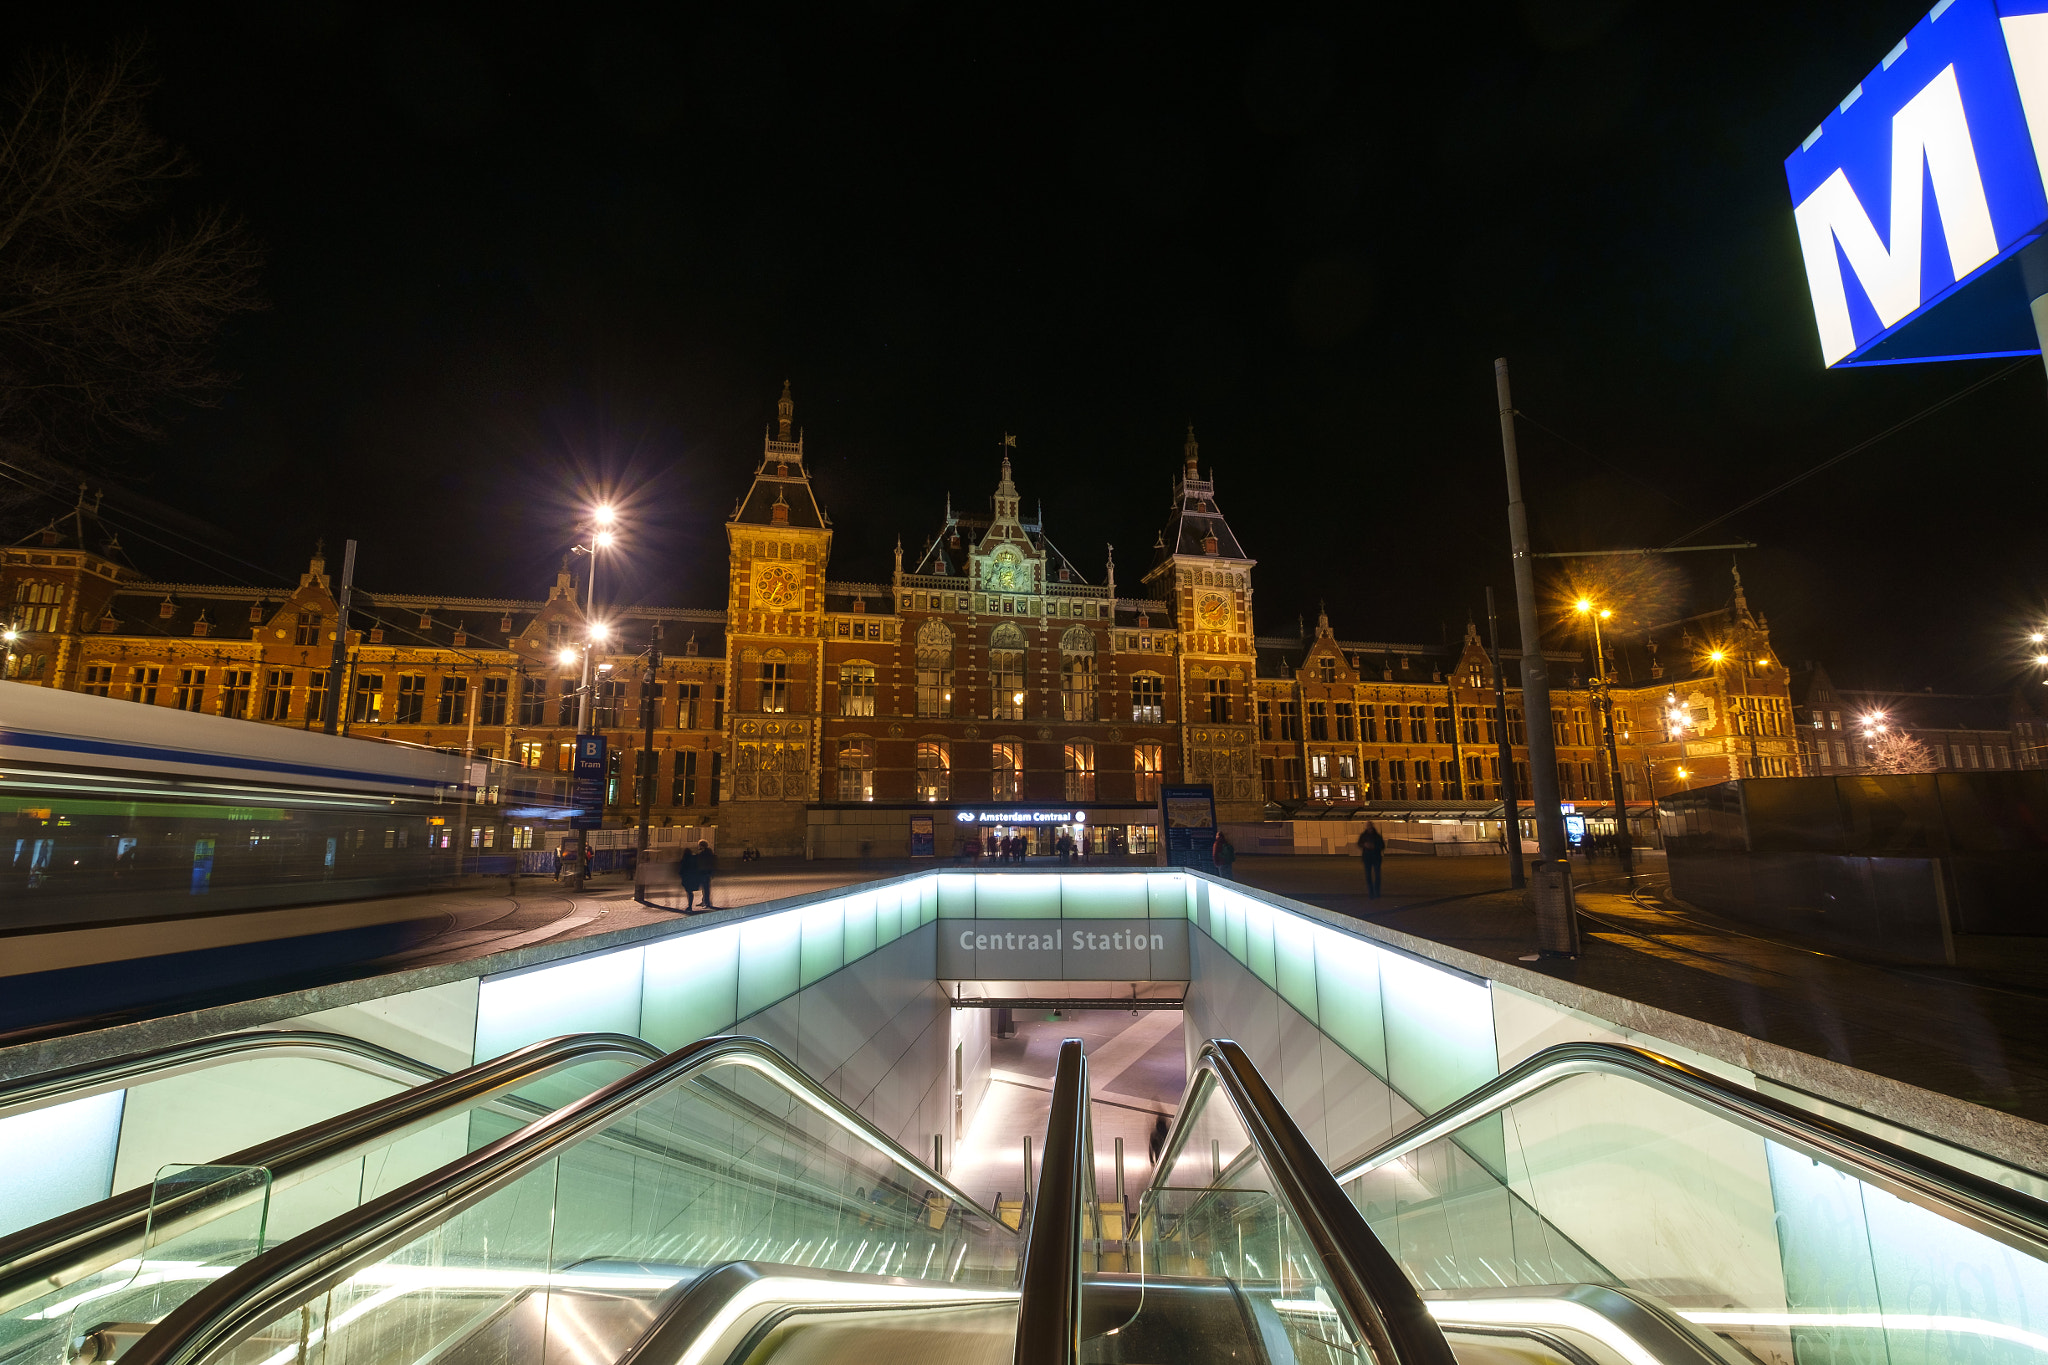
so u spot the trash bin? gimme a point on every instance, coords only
(1557, 918)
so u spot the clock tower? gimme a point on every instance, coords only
(1206, 579)
(778, 541)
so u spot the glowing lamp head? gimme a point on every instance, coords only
(600, 631)
(1605, 613)
(1583, 605)
(603, 540)
(1716, 657)
(567, 656)
(603, 514)
(2038, 637)
(10, 636)
(2038, 658)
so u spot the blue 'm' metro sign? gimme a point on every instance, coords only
(1917, 196)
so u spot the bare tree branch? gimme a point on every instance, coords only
(108, 306)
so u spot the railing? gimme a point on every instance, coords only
(1369, 1287)
(318, 1262)
(62, 1250)
(1049, 1309)
(2008, 1215)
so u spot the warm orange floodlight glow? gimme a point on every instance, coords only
(604, 514)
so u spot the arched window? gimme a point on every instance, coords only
(934, 669)
(1006, 770)
(1080, 770)
(934, 771)
(857, 689)
(1077, 674)
(856, 770)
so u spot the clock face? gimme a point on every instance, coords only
(777, 587)
(1212, 610)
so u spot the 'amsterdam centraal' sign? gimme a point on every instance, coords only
(1064, 949)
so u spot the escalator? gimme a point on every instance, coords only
(716, 1207)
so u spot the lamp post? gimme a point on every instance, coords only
(1585, 608)
(601, 538)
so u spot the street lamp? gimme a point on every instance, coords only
(601, 538)
(1604, 685)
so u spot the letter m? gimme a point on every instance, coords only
(1930, 130)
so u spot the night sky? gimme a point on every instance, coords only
(519, 254)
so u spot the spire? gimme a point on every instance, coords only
(785, 412)
(1191, 451)
(1322, 620)
(1741, 601)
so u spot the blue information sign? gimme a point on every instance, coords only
(1187, 816)
(587, 794)
(1918, 198)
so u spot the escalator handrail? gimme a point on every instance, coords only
(1049, 1280)
(1376, 1292)
(2011, 1216)
(92, 1078)
(260, 1288)
(59, 1250)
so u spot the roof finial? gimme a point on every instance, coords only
(785, 412)
(1192, 451)
(1741, 601)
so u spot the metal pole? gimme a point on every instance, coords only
(1557, 917)
(644, 768)
(1622, 848)
(468, 771)
(1120, 1203)
(583, 714)
(1510, 802)
(338, 657)
(1027, 1174)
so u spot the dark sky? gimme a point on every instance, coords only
(521, 252)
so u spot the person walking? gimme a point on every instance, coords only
(707, 863)
(1371, 844)
(686, 872)
(1224, 854)
(1158, 1140)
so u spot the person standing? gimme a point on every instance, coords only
(686, 873)
(1371, 844)
(1224, 854)
(707, 863)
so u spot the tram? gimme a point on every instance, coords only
(112, 811)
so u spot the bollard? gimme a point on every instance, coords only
(1557, 919)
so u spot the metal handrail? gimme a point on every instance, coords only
(1049, 1306)
(1375, 1291)
(2011, 1216)
(64, 1249)
(261, 1288)
(115, 1073)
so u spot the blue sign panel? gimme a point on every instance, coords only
(587, 790)
(1188, 817)
(1916, 197)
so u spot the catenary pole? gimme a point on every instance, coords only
(1510, 796)
(339, 656)
(583, 712)
(645, 767)
(1557, 917)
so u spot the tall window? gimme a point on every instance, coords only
(856, 770)
(490, 705)
(1425, 787)
(683, 787)
(1446, 732)
(1447, 773)
(1370, 770)
(856, 689)
(1319, 776)
(277, 694)
(1369, 723)
(234, 693)
(1418, 726)
(1397, 779)
(1219, 701)
(99, 680)
(1319, 719)
(528, 753)
(1077, 687)
(1146, 762)
(689, 696)
(142, 685)
(369, 707)
(935, 691)
(1148, 699)
(36, 606)
(1290, 774)
(716, 788)
(1006, 770)
(191, 689)
(453, 703)
(1290, 720)
(316, 697)
(934, 771)
(309, 628)
(569, 704)
(412, 699)
(1346, 728)
(1265, 719)
(775, 687)
(1006, 683)
(1080, 769)
(609, 700)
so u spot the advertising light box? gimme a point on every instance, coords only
(1915, 198)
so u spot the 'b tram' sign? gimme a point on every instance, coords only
(1917, 197)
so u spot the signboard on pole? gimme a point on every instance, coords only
(587, 789)
(1916, 199)
(1187, 819)
(922, 844)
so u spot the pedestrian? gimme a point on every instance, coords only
(686, 872)
(1158, 1141)
(707, 863)
(1224, 854)
(1371, 844)
(589, 859)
